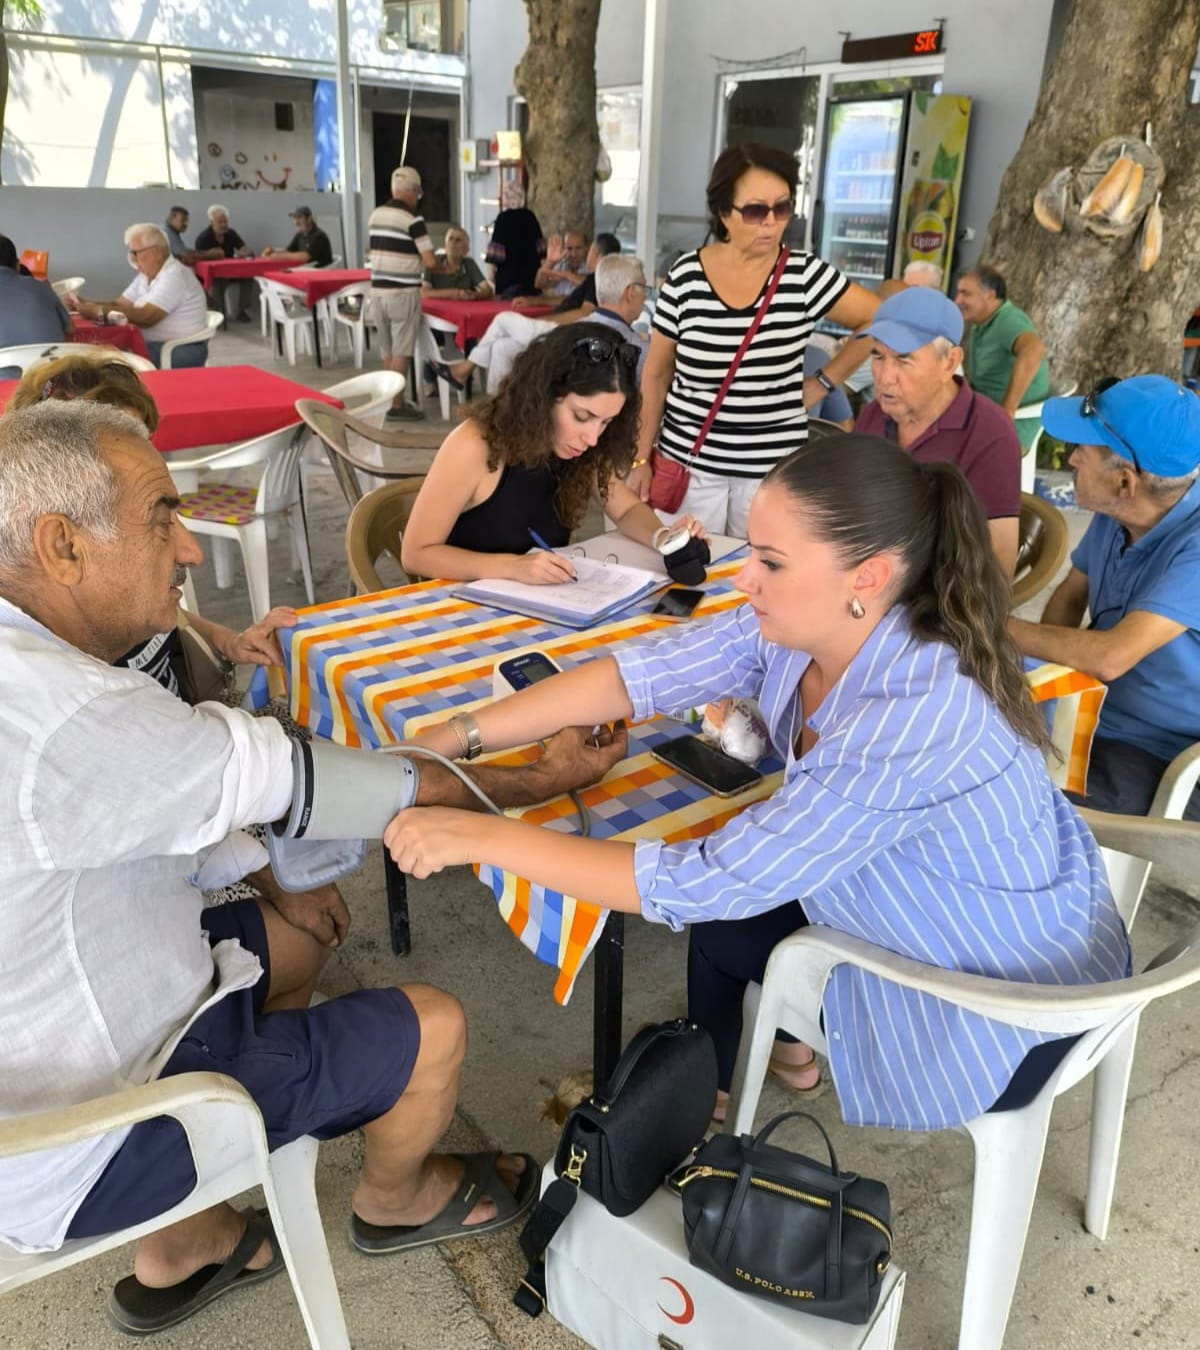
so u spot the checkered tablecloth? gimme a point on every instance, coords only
(375, 669)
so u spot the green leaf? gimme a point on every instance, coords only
(945, 166)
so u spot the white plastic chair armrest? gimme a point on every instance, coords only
(1171, 843)
(1177, 783)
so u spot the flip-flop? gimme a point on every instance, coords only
(445, 373)
(480, 1175)
(139, 1310)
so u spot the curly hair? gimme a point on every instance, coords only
(517, 421)
(97, 379)
(864, 496)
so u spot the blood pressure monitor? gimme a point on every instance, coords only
(520, 670)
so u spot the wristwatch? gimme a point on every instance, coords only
(825, 382)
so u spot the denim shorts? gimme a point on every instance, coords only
(322, 1071)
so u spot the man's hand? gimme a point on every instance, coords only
(577, 757)
(424, 839)
(258, 645)
(555, 249)
(321, 912)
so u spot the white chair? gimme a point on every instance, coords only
(30, 354)
(229, 1152)
(1028, 413)
(290, 316)
(61, 288)
(428, 350)
(1175, 787)
(212, 321)
(367, 397)
(1008, 1145)
(347, 309)
(231, 512)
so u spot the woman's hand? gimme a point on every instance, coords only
(257, 645)
(424, 839)
(638, 481)
(694, 527)
(539, 567)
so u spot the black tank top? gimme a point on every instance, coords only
(523, 500)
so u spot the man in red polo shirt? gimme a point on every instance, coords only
(924, 407)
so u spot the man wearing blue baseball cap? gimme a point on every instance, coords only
(1136, 572)
(924, 407)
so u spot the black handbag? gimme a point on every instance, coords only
(621, 1143)
(786, 1227)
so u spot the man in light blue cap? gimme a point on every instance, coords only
(923, 406)
(1136, 572)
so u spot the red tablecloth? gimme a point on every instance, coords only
(125, 336)
(473, 316)
(315, 283)
(208, 269)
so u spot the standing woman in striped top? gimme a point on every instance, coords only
(915, 810)
(705, 307)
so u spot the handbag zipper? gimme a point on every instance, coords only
(818, 1200)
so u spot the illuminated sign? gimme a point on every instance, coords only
(896, 46)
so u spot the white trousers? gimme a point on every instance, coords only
(507, 337)
(721, 504)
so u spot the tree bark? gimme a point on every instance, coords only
(557, 77)
(1119, 65)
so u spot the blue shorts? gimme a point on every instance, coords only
(322, 1071)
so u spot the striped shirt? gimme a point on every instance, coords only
(395, 238)
(762, 419)
(919, 821)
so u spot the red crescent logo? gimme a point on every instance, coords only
(689, 1308)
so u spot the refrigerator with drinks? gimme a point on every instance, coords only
(891, 182)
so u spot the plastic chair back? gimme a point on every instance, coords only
(32, 353)
(376, 525)
(67, 284)
(1043, 539)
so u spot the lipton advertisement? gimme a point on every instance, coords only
(932, 187)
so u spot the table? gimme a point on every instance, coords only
(126, 337)
(375, 669)
(316, 284)
(209, 270)
(474, 316)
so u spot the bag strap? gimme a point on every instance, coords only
(548, 1216)
(761, 1136)
(634, 1051)
(772, 287)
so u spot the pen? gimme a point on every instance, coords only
(541, 543)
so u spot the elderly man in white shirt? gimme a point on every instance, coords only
(165, 300)
(114, 974)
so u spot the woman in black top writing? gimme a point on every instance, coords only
(558, 433)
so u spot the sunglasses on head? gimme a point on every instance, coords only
(1091, 408)
(68, 386)
(756, 212)
(598, 350)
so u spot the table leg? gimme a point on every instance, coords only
(608, 963)
(396, 884)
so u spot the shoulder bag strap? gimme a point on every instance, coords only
(772, 287)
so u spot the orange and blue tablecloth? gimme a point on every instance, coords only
(375, 669)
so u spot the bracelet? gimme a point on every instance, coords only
(825, 382)
(639, 463)
(467, 731)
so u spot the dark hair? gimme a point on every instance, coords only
(8, 252)
(517, 421)
(865, 496)
(731, 164)
(989, 279)
(95, 379)
(606, 244)
(178, 211)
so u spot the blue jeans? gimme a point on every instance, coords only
(190, 355)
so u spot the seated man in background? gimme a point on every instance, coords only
(565, 265)
(1005, 359)
(620, 288)
(29, 309)
(922, 406)
(310, 243)
(462, 279)
(146, 983)
(582, 300)
(1136, 573)
(220, 240)
(165, 300)
(176, 223)
(921, 273)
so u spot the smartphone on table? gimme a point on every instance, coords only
(677, 603)
(703, 763)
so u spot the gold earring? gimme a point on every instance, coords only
(856, 609)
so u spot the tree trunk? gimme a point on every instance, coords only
(1119, 66)
(557, 77)
(3, 81)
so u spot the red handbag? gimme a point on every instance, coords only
(669, 477)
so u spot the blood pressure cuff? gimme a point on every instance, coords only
(340, 799)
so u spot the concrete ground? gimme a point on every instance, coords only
(1139, 1287)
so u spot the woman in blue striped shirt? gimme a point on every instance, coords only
(916, 810)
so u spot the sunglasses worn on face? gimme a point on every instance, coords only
(599, 350)
(756, 212)
(1091, 409)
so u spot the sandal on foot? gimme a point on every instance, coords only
(479, 1177)
(784, 1071)
(139, 1310)
(445, 373)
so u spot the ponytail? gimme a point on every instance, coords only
(865, 496)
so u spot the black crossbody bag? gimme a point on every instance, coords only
(621, 1143)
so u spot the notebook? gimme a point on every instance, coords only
(620, 548)
(602, 589)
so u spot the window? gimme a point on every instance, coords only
(425, 25)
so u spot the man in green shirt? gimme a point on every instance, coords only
(461, 279)
(1005, 359)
